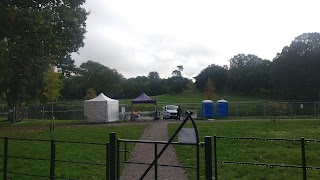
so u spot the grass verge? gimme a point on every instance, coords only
(270, 152)
(78, 152)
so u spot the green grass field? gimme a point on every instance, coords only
(270, 152)
(197, 97)
(89, 153)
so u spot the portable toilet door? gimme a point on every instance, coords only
(207, 109)
(222, 108)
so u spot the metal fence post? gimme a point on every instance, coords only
(215, 157)
(5, 158)
(303, 154)
(107, 161)
(125, 151)
(208, 157)
(112, 141)
(118, 159)
(52, 159)
(156, 161)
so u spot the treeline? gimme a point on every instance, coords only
(109, 81)
(293, 74)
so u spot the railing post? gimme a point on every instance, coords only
(303, 154)
(156, 161)
(118, 159)
(198, 160)
(215, 157)
(112, 141)
(52, 159)
(5, 158)
(125, 151)
(107, 161)
(208, 157)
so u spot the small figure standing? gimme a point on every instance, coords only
(178, 113)
(135, 115)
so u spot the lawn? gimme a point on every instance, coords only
(78, 152)
(270, 152)
(196, 97)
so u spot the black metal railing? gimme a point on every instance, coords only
(302, 166)
(51, 161)
(156, 148)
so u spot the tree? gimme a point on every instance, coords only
(295, 71)
(180, 68)
(52, 87)
(275, 109)
(153, 75)
(34, 35)
(177, 84)
(101, 78)
(176, 73)
(248, 73)
(73, 87)
(216, 73)
(91, 93)
(210, 90)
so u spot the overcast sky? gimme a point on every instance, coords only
(136, 37)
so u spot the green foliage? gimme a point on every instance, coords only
(100, 78)
(210, 90)
(52, 85)
(177, 84)
(295, 70)
(153, 75)
(216, 73)
(33, 36)
(91, 93)
(248, 73)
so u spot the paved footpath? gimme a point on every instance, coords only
(144, 153)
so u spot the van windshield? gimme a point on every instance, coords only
(172, 107)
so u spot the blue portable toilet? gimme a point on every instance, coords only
(207, 109)
(222, 108)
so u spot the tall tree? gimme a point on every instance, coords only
(52, 87)
(177, 84)
(248, 73)
(295, 71)
(153, 75)
(176, 73)
(91, 93)
(216, 73)
(33, 36)
(101, 78)
(210, 90)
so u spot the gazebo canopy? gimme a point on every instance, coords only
(143, 98)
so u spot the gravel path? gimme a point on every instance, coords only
(145, 153)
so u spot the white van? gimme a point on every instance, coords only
(170, 111)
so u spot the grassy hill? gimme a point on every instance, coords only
(197, 97)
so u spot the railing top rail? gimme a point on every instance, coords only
(28, 139)
(266, 139)
(153, 142)
(57, 141)
(268, 165)
(79, 142)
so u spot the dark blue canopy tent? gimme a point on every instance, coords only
(142, 99)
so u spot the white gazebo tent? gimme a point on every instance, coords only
(101, 109)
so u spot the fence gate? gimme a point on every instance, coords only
(115, 144)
